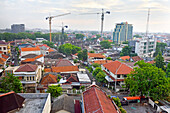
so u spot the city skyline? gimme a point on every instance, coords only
(32, 13)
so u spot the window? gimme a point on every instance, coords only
(33, 77)
(4, 48)
(0, 48)
(30, 78)
(4, 52)
(125, 76)
(27, 78)
(22, 78)
(118, 76)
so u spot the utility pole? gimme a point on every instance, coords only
(147, 25)
(50, 18)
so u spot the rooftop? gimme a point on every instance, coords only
(125, 57)
(31, 49)
(27, 68)
(96, 55)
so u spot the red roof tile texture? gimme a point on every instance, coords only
(102, 61)
(136, 58)
(118, 67)
(125, 57)
(63, 62)
(10, 101)
(151, 62)
(65, 69)
(5, 56)
(31, 49)
(96, 55)
(49, 79)
(27, 68)
(95, 100)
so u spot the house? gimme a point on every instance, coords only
(29, 75)
(96, 100)
(12, 102)
(55, 55)
(5, 47)
(102, 61)
(135, 59)
(39, 58)
(125, 58)
(116, 72)
(95, 56)
(30, 50)
(10, 70)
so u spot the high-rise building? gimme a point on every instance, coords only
(122, 32)
(16, 28)
(146, 46)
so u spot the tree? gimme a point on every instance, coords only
(54, 90)
(96, 65)
(75, 61)
(137, 36)
(98, 36)
(80, 55)
(100, 77)
(126, 42)
(50, 44)
(79, 36)
(148, 80)
(126, 51)
(91, 51)
(85, 55)
(168, 70)
(108, 58)
(118, 103)
(96, 71)
(105, 44)
(159, 61)
(10, 83)
(161, 46)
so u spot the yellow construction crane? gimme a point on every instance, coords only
(50, 18)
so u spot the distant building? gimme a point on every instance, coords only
(145, 47)
(16, 28)
(4, 47)
(30, 50)
(40, 39)
(122, 32)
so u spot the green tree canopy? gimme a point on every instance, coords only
(91, 51)
(105, 44)
(85, 54)
(148, 80)
(54, 90)
(137, 36)
(68, 49)
(159, 61)
(96, 65)
(96, 71)
(50, 44)
(80, 55)
(108, 58)
(126, 51)
(168, 70)
(10, 83)
(79, 36)
(100, 77)
(126, 42)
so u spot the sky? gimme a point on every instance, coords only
(32, 13)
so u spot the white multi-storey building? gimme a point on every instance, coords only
(145, 47)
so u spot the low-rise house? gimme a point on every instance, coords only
(57, 63)
(23, 102)
(2, 63)
(5, 47)
(10, 70)
(116, 72)
(30, 50)
(55, 55)
(39, 58)
(29, 76)
(95, 56)
(135, 59)
(96, 100)
(125, 58)
(102, 61)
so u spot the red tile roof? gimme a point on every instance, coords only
(39, 56)
(151, 62)
(10, 101)
(63, 62)
(136, 58)
(110, 40)
(72, 79)
(47, 70)
(29, 60)
(27, 68)
(102, 61)
(118, 67)
(50, 50)
(96, 55)
(65, 69)
(43, 45)
(5, 56)
(49, 79)
(95, 100)
(31, 49)
(125, 57)
(2, 61)
(1, 52)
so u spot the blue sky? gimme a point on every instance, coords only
(33, 12)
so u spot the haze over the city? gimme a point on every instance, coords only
(32, 13)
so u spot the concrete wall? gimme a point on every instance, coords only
(23, 53)
(47, 106)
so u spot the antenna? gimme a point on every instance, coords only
(147, 25)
